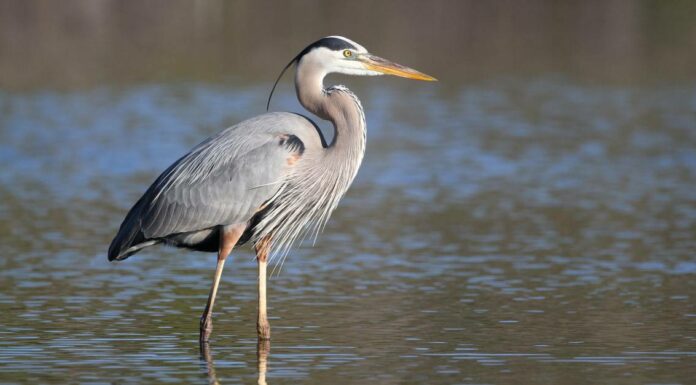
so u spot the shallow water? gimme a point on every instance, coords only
(508, 231)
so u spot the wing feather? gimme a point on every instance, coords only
(224, 180)
(205, 188)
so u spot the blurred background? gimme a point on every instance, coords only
(75, 44)
(531, 217)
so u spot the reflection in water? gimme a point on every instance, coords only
(207, 360)
(263, 350)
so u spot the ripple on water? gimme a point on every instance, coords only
(514, 227)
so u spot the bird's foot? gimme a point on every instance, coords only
(206, 328)
(264, 330)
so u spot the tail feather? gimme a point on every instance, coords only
(120, 255)
(130, 238)
(126, 244)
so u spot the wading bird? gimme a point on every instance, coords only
(269, 180)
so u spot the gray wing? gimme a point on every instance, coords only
(215, 186)
(223, 180)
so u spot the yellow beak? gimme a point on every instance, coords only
(376, 63)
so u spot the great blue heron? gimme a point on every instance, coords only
(269, 180)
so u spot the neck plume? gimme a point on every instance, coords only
(342, 158)
(321, 179)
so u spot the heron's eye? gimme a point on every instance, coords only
(347, 53)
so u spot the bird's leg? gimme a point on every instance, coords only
(207, 317)
(262, 326)
(228, 238)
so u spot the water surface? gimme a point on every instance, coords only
(534, 231)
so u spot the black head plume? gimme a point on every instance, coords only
(268, 103)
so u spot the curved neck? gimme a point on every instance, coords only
(336, 104)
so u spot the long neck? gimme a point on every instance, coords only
(319, 181)
(343, 109)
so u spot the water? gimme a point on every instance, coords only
(507, 231)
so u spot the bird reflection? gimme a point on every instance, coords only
(207, 358)
(263, 349)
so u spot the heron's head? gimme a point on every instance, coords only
(337, 54)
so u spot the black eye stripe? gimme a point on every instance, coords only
(332, 43)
